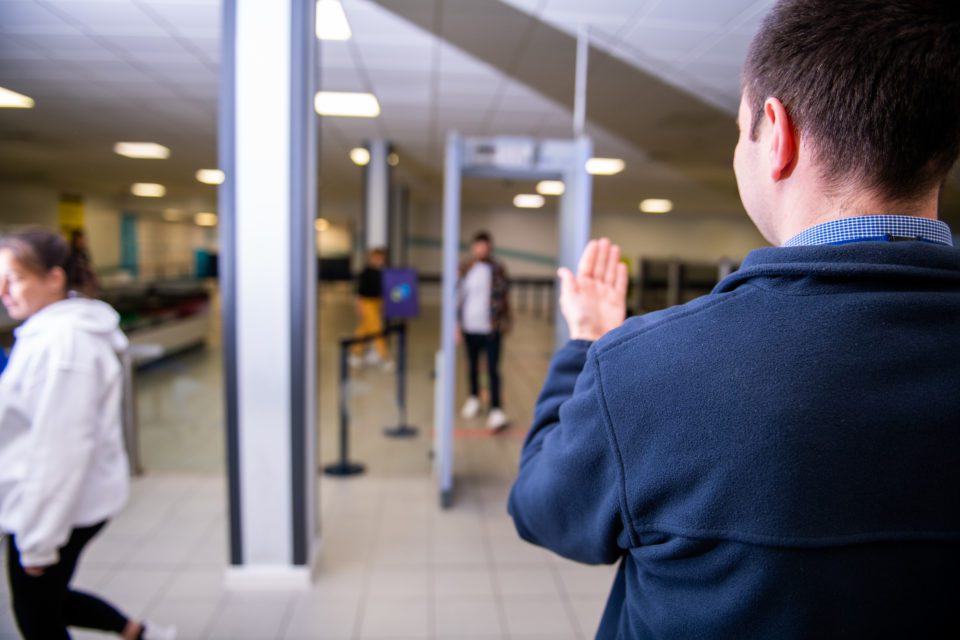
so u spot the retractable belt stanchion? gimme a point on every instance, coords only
(402, 430)
(344, 467)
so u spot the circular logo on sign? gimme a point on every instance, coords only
(400, 292)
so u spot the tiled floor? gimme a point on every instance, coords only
(393, 565)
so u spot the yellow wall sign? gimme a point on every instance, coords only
(70, 213)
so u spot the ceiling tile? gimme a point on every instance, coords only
(342, 80)
(397, 58)
(12, 50)
(190, 19)
(663, 42)
(708, 12)
(28, 17)
(112, 18)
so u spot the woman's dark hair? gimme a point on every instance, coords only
(40, 251)
(75, 237)
(873, 84)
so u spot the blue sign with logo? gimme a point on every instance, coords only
(401, 293)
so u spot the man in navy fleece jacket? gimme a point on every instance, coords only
(781, 458)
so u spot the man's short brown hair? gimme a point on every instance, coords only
(874, 86)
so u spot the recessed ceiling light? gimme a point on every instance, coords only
(210, 176)
(393, 159)
(13, 100)
(321, 224)
(142, 150)
(528, 201)
(345, 103)
(605, 166)
(148, 190)
(551, 188)
(656, 205)
(206, 219)
(332, 21)
(360, 156)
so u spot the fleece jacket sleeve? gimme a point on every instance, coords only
(567, 493)
(63, 436)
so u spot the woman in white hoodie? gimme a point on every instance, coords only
(63, 467)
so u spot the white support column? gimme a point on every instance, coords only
(399, 224)
(575, 214)
(268, 204)
(376, 214)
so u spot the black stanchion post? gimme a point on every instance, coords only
(344, 467)
(402, 430)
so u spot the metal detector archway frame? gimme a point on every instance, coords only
(500, 158)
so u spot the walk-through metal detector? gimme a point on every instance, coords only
(511, 159)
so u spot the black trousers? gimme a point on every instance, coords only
(490, 343)
(45, 605)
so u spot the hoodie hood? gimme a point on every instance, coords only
(91, 316)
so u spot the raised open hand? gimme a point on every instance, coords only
(594, 301)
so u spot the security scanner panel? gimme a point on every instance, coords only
(500, 158)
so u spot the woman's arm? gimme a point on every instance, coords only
(63, 435)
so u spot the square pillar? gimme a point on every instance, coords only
(268, 151)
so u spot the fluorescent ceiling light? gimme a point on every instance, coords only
(656, 205)
(13, 100)
(206, 219)
(345, 103)
(321, 224)
(551, 188)
(148, 190)
(360, 156)
(142, 150)
(210, 176)
(332, 21)
(393, 159)
(528, 201)
(605, 166)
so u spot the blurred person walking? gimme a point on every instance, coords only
(79, 266)
(63, 467)
(370, 313)
(483, 318)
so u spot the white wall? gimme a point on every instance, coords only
(102, 221)
(27, 205)
(167, 248)
(335, 242)
(690, 238)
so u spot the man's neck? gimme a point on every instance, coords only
(809, 214)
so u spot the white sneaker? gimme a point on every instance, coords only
(497, 420)
(356, 362)
(373, 358)
(471, 408)
(387, 366)
(153, 631)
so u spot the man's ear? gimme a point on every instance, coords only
(782, 151)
